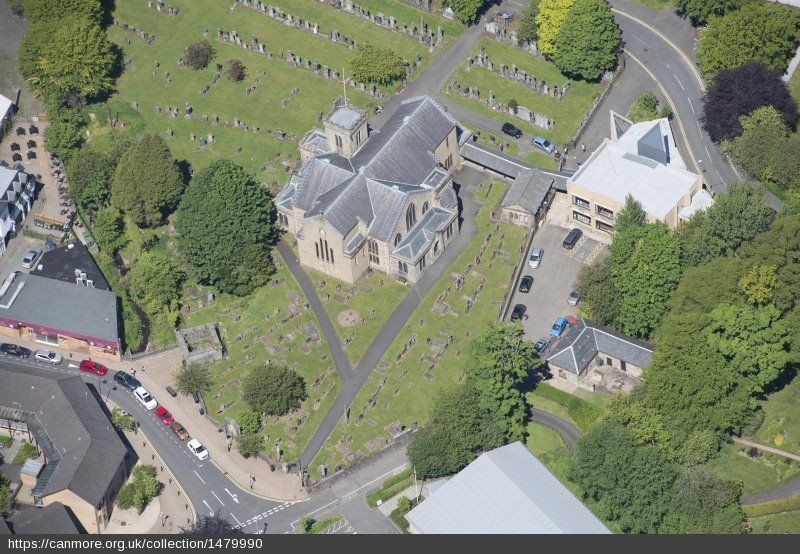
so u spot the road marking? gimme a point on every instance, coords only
(237, 519)
(232, 496)
(679, 81)
(198, 476)
(720, 177)
(209, 507)
(640, 40)
(672, 105)
(217, 497)
(707, 152)
(691, 105)
(698, 126)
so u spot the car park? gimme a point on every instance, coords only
(535, 258)
(558, 327)
(197, 449)
(572, 238)
(541, 344)
(543, 144)
(574, 298)
(126, 380)
(525, 284)
(511, 130)
(145, 398)
(14, 350)
(179, 431)
(30, 257)
(90, 366)
(518, 312)
(163, 414)
(48, 356)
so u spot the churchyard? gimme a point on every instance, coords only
(495, 74)
(271, 324)
(358, 311)
(295, 53)
(430, 351)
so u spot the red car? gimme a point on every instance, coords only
(164, 415)
(93, 367)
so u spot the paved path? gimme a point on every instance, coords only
(468, 179)
(568, 432)
(788, 489)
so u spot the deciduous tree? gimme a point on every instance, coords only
(156, 279)
(466, 11)
(631, 215)
(192, 379)
(597, 290)
(704, 503)
(90, 173)
(109, 230)
(55, 10)
(273, 389)
(199, 54)
(699, 11)
(528, 30)
(549, 20)
(587, 42)
(375, 64)
(759, 147)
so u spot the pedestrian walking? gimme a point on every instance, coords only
(134, 372)
(583, 147)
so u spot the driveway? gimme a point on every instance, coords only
(553, 280)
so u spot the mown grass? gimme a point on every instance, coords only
(567, 112)
(756, 474)
(580, 411)
(781, 427)
(403, 389)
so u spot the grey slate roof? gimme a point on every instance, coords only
(54, 519)
(584, 340)
(73, 309)
(654, 145)
(508, 165)
(346, 117)
(505, 490)
(417, 241)
(528, 190)
(619, 124)
(372, 186)
(61, 263)
(90, 449)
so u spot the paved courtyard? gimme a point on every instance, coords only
(554, 279)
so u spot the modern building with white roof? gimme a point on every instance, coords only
(506, 490)
(640, 160)
(6, 111)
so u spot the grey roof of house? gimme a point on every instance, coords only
(447, 196)
(584, 340)
(372, 186)
(508, 165)
(91, 451)
(346, 117)
(354, 244)
(505, 490)
(528, 190)
(54, 519)
(61, 263)
(417, 241)
(68, 307)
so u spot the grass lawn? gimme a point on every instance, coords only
(245, 324)
(785, 522)
(567, 112)
(581, 409)
(794, 85)
(320, 525)
(541, 159)
(543, 440)
(660, 5)
(367, 294)
(226, 99)
(401, 388)
(756, 474)
(781, 427)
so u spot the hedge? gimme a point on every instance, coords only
(583, 412)
(772, 506)
(390, 487)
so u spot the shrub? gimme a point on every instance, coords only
(192, 379)
(199, 54)
(27, 451)
(236, 70)
(250, 444)
(141, 488)
(373, 64)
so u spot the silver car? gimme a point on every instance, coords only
(48, 356)
(30, 257)
(536, 257)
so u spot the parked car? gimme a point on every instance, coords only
(574, 298)
(48, 356)
(30, 257)
(144, 397)
(572, 238)
(14, 350)
(179, 431)
(543, 144)
(518, 312)
(90, 366)
(525, 284)
(163, 414)
(127, 380)
(558, 327)
(511, 130)
(541, 344)
(536, 257)
(197, 449)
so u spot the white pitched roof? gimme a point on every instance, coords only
(627, 166)
(506, 490)
(5, 106)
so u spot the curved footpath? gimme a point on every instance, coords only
(566, 430)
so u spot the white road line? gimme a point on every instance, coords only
(198, 476)
(690, 105)
(720, 178)
(698, 126)
(640, 40)
(679, 81)
(707, 152)
(217, 497)
(237, 519)
(209, 507)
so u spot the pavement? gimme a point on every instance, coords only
(566, 430)
(466, 180)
